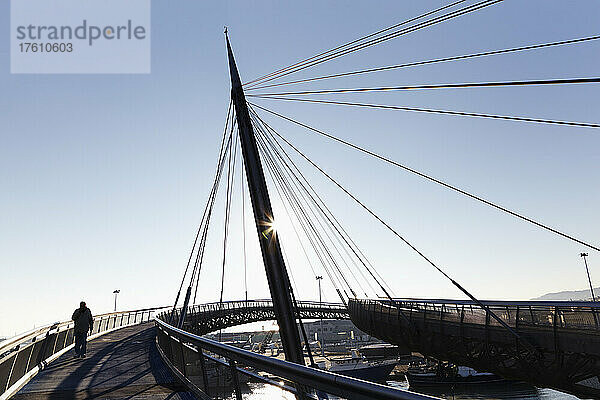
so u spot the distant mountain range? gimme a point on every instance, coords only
(570, 295)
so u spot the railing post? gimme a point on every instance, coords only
(533, 322)
(181, 350)
(487, 332)
(555, 326)
(442, 319)
(29, 358)
(43, 348)
(169, 348)
(462, 320)
(236, 381)
(55, 340)
(67, 336)
(203, 366)
(517, 316)
(12, 367)
(593, 310)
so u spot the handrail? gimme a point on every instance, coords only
(539, 314)
(310, 377)
(14, 341)
(502, 303)
(204, 318)
(22, 356)
(265, 302)
(26, 336)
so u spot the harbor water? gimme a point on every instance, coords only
(490, 391)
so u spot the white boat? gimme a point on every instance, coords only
(359, 367)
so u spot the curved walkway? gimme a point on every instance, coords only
(123, 364)
(210, 317)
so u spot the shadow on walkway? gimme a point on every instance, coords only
(124, 364)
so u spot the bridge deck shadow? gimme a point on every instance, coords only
(124, 364)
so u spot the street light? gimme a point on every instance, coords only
(584, 255)
(116, 292)
(319, 279)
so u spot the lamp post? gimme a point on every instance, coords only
(319, 279)
(584, 255)
(116, 292)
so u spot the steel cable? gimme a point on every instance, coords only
(354, 42)
(322, 206)
(201, 248)
(434, 61)
(444, 112)
(221, 155)
(409, 244)
(432, 179)
(316, 209)
(537, 82)
(389, 36)
(301, 216)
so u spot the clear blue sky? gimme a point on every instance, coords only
(104, 177)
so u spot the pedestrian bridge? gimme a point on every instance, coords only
(204, 318)
(140, 354)
(564, 337)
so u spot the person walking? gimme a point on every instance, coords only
(83, 322)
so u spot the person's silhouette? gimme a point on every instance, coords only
(83, 322)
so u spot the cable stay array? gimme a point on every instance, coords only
(231, 164)
(334, 271)
(322, 230)
(394, 31)
(321, 206)
(429, 178)
(538, 82)
(198, 246)
(353, 42)
(323, 242)
(373, 39)
(318, 230)
(433, 61)
(444, 112)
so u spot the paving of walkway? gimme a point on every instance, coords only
(123, 364)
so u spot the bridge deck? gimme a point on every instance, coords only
(123, 364)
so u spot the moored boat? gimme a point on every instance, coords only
(445, 373)
(358, 367)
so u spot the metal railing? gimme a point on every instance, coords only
(564, 336)
(547, 314)
(204, 318)
(305, 306)
(188, 354)
(22, 356)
